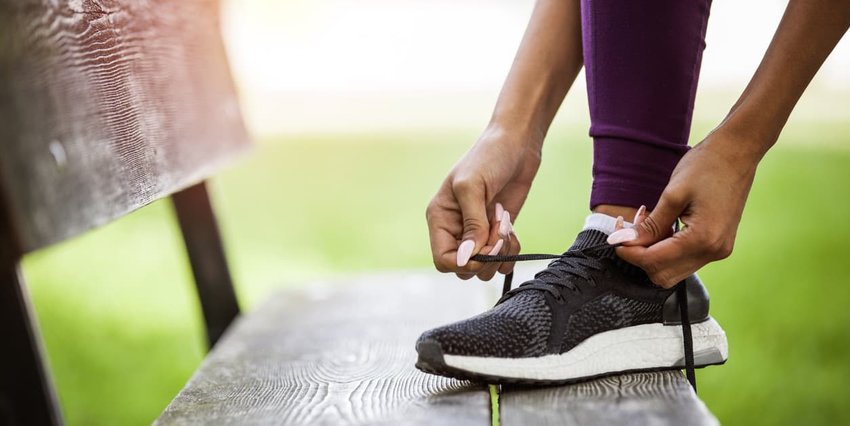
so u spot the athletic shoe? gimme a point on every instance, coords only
(588, 314)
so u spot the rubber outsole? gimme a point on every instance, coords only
(432, 361)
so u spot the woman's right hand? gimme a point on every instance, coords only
(473, 208)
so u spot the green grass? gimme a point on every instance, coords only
(495, 413)
(122, 327)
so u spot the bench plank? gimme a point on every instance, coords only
(338, 353)
(661, 398)
(342, 353)
(106, 106)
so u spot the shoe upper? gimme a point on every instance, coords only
(577, 296)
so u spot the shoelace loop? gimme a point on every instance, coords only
(572, 262)
(578, 256)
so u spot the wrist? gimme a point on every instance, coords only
(752, 131)
(517, 133)
(741, 149)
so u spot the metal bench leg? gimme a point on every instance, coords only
(206, 255)
(27, 396)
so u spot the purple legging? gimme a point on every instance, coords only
(642, 60)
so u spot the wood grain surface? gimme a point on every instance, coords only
(662, 398)
(107, 105)
(343, 353)
(338, 354)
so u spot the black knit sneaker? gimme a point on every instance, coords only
(588, 314)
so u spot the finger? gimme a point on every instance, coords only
(505, 225)
(489, 270)
(619, 224)
(513, 249)
(499, 231)
(668, 261)
(486, 271)
(640, 215)
(499, 226)
(504, 233)
(657, 225)
(512, 199)
(507, 247)
(464, 275)
(470, 195)
(444, 226)
(443, 229)
(510, 242)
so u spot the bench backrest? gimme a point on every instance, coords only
(105, 106)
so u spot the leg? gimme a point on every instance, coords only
(26, 392)
(642, 60)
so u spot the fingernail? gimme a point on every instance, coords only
(500, 209)
(464, 252)
(497, 248)
(618, 225)
(505, 224)
(622, 236)
(638, 214)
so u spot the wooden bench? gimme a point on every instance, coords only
(342, 353)
(106, 106)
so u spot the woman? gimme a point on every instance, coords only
(591, 312)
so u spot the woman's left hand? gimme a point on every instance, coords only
(707, 191)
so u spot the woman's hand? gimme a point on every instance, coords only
(463, 218)
(710, 185)
(708, 190)
(473, 208)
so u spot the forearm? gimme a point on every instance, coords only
(808, 32)
(546, 64)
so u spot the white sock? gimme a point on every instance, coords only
(603, 223)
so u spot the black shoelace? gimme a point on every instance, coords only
(579, 257)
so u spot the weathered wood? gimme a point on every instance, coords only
(343, 353)
(337, 354)
(206, 255)
(106, 106)
(27, 396)
(663, 398)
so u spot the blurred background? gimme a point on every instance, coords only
(359, 109)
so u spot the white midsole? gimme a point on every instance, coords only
(639, 347)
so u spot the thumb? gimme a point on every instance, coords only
(653, 228)
(476, 227)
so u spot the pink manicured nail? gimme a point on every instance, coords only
(638, 214)
(622, 236)
(464, 252)
(505, 224)
(500, 209)
(619, 224)
(497, 248)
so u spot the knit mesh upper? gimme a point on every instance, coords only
(516, 328)
(617, 295)
(608, 312)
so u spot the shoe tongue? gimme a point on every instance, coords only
(592, 237)
(589, 238)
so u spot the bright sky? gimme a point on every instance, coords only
(303, 63)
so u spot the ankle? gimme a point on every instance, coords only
(627, 212)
